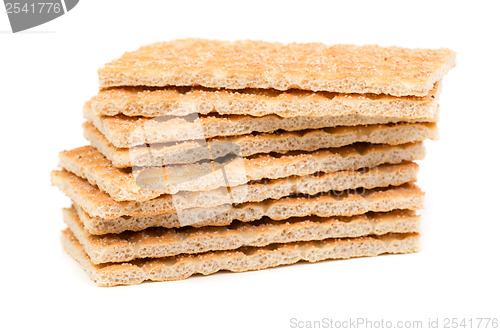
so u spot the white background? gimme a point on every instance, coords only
(46, 74)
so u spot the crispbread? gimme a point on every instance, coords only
(148, 183)
(126, 132)
(182, 101)
(99, 204)
(348, 203)
(257, 64)
(162, 242)
(238, 260)
(194, 151)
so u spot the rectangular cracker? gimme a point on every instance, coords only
(257, 64)
(145, 184)
(189, 152)
(238, 260)
(163, 242)
(347, 203)
(126, 132)
(182, 101)
(99, 204)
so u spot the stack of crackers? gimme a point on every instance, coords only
(209, 155)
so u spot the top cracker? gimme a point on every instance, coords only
(255, 64)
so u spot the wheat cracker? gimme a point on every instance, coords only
(238, 260)
(127, 132)
(162, 242)
(99, 204)
(346, 203)
(281, 142)
(182, 101)
(257, 64)
(147, 183)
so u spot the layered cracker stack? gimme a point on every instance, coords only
(209, 156)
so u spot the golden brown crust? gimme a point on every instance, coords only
(255, 64)
(238, 260)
